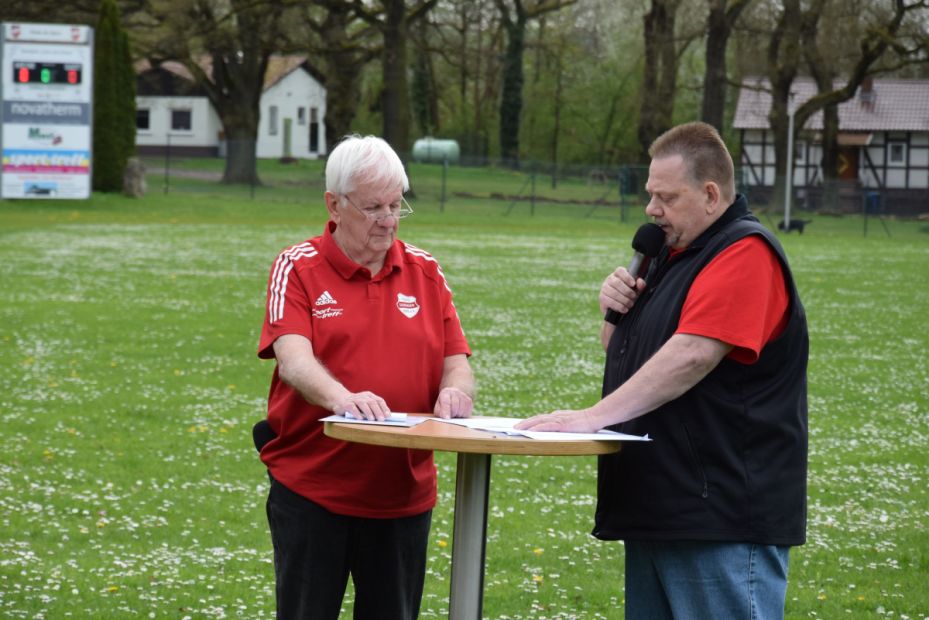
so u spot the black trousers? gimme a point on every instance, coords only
(316, 550)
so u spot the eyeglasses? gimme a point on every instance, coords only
(397, 210)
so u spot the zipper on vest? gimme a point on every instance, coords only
(697, 462)
(632, 318)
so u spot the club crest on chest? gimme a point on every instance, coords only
(408, 305)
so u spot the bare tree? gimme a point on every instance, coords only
(72, 12)
(465, 49)
(877, 39)
(225, 45)
(795, 41)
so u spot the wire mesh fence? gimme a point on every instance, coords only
(482, 184)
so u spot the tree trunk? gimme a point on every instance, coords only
(477, 138)
(830, 160)
(240, 155)
(342, 62)
(719, 24)
(464, 26)
(783, 62)
(395, 95)
(559, 82)
(511, 99)
(779, 122)
(659, 81)
(343, 92)
(236, 95)
(714, 79)
(424, 99)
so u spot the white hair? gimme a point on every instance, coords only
(369, 160)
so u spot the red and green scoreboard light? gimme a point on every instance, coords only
(46, 73)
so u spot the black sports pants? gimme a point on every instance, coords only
(316, 550)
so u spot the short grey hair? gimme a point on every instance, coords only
(704, 153)
(368, 160)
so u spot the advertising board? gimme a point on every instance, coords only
(46, 110)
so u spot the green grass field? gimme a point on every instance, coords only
(129, 383)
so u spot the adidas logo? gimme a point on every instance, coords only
(325, 299)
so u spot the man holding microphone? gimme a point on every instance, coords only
(708, 357)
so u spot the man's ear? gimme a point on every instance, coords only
(713, 197)
(332, 206)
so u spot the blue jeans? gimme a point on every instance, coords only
(687, 580)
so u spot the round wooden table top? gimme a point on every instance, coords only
(433, 435)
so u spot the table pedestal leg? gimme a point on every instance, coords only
(472, 486)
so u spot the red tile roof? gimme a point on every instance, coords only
(896, 105)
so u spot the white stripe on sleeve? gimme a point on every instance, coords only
(415, 251)
(277, 287)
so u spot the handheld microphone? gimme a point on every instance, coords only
(648, 241)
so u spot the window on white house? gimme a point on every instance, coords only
(272, 120)
(301, 116)
(897, 152)
(180, 120)
(142, 119)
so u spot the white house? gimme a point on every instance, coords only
(172, 112)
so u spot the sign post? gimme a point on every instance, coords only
(46, 110)
(789, 179)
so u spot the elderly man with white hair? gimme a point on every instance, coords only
(358, 322)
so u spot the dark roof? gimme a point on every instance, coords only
(895, 105)
(161, 81)
(278, 68)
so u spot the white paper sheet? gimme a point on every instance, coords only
(505, 426)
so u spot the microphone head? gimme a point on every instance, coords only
(648, 240)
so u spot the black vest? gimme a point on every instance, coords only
(728, 458)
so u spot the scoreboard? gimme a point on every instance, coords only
(46, 103)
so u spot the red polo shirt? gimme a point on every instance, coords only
(390, 335)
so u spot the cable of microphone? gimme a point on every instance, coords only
(647, 242)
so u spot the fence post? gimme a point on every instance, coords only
(444, 174)
(532, 200)
(623, 183)
(864, 212)
(167, 161)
